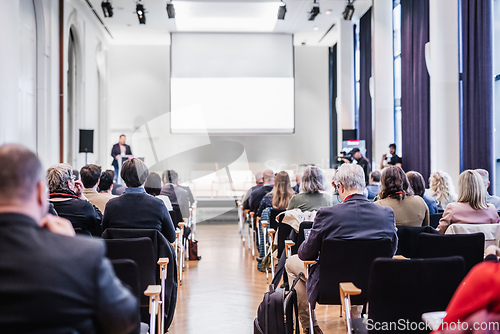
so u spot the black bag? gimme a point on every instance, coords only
(193, 250)
(275, 313)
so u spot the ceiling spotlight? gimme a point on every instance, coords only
(348, 11)
(282, 11)
(170, 10)
(107, 9)
(328, 12)
(314, 11)
(316, 28)
(141, 13)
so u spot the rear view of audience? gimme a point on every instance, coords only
(259, 192)
(396, 193)
(153, 187)
(471, 206)
(135, 208)
(106, 184)
(495, 200)
(373, 186)
(280, 196)
(90, 176)
(311, 197)
(178, 196)
(52, 282)
(417, 184)
(442, 189)
(67, 196)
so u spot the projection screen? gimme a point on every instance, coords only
(232, 83)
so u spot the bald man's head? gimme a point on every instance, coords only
(259, 178)
(20, 173)
(268, 176)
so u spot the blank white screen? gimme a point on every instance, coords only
(232, 83)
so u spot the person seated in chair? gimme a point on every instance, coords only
(258, 194)
(495, 200)
(52, 281)
(471, 206)
(106, 184)
(417, 184)
(69, 201)
(311, 196)
(279, 197)
(91, 176)
(135, 208)
(355, 218)
(177, 195)
(373, 186)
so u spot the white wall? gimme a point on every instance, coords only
(139, 94)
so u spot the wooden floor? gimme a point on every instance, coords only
(221, 293)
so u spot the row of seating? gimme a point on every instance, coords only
(152, 267)
(422, 277)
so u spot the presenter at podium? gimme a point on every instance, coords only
(120, 153)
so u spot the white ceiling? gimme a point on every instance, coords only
(125, 28)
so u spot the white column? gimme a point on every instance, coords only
(9, 69)
(445, 117)
(383, 78)
(345, 78)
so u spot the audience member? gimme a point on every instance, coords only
(135, 208)
(118, 189)
(51, 281)
(298, 179)
(396, 193)
(471, 206)
(153, 187)
(495, 200)
(355, 218)
(177, 195)
(259, 181)
(76, 174)
(442, 189)
(362, 161)
(281, 194)
(335, 196)
(373, 186)
(190, 194)
(69, 201)
(257, 195)
(106, 183)
(91, 175)
(417, 184)
(395, 159)
(311, 197)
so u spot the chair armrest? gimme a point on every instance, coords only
(400, 257)
(181, 225)
(306, 266)
(153, 292)
(185, 220)
(264, 223)
(349, 289)
(252, 214)
(271, 231)
(246, 211)
(163, 261)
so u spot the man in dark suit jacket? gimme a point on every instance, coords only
(355, 218)
(119, 149)
(259, 193)
(135, 208)
(51, 280)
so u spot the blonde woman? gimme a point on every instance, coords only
(280, 196)
(442, 189)
(471, 206)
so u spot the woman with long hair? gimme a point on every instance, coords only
(395, 192)
(417, 184)
(442, 189)
(280, 196)
(471, 206)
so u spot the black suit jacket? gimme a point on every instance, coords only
(356, 218)
(50, 281)
(257, 195)
(116, 151)
(138, 210)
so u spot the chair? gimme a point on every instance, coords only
(468, 246)
(79, 230)
(344, 260)
(407, 239)
(490, 231)
(435, 218)
(285, 232)
(301, 237)
(272, 218)
(162, 249)
(405, 289)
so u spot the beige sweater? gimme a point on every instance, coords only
(411, 211)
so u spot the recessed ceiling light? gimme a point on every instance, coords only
(316, 28)
(328, 12)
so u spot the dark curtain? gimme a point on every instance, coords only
(333, 108)
(477, 83)
(365, 72)
(415, 93)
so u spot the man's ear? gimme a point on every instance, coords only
(41, 194)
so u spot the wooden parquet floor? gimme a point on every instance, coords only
(221, 293)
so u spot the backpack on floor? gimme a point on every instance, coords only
(275, 313)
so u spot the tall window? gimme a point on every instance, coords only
(396, 24)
